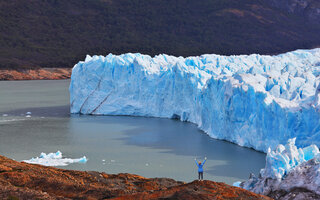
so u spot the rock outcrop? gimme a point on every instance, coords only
(27, 181)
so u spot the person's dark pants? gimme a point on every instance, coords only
(200, 175)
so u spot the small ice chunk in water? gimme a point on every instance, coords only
(237, 184)
(54, 159)
(103, 160)
(28, 113)
(112, 160)
(81, 160)
(5, 115)
(147, 164)
(28, 116)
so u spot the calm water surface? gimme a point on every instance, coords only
(150, 147)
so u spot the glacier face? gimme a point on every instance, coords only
(289, 170)
(252, 100)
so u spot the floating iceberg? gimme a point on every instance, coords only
(289, 170)
(252, 100)
(54, 159)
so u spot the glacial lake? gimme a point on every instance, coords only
(150, 147)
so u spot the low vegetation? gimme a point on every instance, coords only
(58, 33)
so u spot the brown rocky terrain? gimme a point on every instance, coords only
(35, 74)
(20, 180)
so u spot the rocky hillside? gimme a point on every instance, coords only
(26, 181)
(59, 33)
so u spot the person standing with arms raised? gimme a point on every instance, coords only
(200, 168)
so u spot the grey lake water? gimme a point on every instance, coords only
(150, 147)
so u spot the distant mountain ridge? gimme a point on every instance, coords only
(59, 33)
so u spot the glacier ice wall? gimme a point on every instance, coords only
(288, 170)
(252, 100)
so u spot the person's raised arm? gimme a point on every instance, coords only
(205, 159)
(195, 160)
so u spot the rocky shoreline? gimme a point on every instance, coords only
(19, 180)
(35, 74)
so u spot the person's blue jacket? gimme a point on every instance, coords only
(200, 169)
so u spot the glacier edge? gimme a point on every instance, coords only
(252, 100)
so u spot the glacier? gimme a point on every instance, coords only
(257, 101)
(54, 159)
(289, 171)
